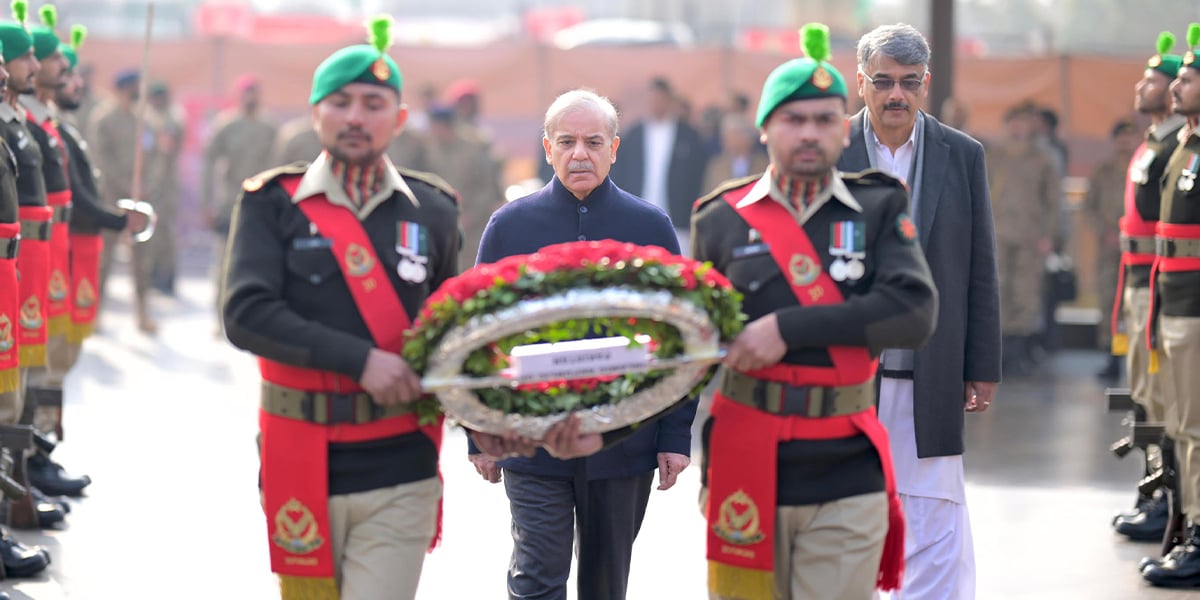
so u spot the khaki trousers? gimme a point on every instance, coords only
(1143, 386)
(829, 551)
(59, 359)
(1179, 374)
(380, 539)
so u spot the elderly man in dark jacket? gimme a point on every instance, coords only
(924, 394)
(604, 496)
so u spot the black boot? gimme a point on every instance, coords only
(21, 560)
(51, 478)
(1148, 525)
(1174, 534)
(1181, 568)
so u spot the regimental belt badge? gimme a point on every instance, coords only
(296, 529)
(31, 313)
(358, 261)
(738, 521)
(6, 337)
(58, 286)
(85, 294)
(804, 269)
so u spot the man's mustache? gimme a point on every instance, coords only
(898, 105)
(585, 165)
(356, 131)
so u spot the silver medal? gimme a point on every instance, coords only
(837, 270)
(855, 270)
(1186, 182)
(411, 271)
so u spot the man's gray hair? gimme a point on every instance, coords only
(900, 42)
(580, 99)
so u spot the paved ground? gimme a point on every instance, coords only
(166, 427)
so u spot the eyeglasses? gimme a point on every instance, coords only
(908, 84)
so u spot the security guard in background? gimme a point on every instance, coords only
(1176, 306)
(796, 462)
(1131, 305)
(327, 264)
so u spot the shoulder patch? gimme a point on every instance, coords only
(257, 182)
(723, 188)
(872, 177)
(432, 180)
(906, 228)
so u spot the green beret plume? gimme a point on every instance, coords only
(381, 32)
(1193, 35)
(816, 41)
(1166, 41)
(20, 9)
(78, 34)
(49, 16)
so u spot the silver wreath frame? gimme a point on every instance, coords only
(701, 342)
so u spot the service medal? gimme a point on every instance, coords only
(855, 270)
(411, 271)
(838, 270)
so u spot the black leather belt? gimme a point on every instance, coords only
(1178, 248)
(896, 373)
(326, 408)
(1138, 245)
(799, 400)
(62, 214)
(35, 230)
(9, 247)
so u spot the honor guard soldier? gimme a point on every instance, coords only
(799, 493)
(1131, 306)
(17, 560)
(34, 261)
(1175, 304)
(45, 386)
(328, 262)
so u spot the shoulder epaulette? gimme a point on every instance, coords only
(725, 186)
(872, 177)
(257, 182)
(432, 180)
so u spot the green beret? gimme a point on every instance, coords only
(45, 40)
(15, 39)
(71, 50)
(802, 78)
(1164, 62)
(363, 63)
(1193, 38)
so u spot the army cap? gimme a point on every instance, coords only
(363, 63)
(802, 78)
(1193, 38)
(45, 40)
(71, 49)
(13, 35)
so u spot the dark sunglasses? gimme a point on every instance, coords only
(907, 84)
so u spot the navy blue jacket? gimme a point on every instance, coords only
(552, 215)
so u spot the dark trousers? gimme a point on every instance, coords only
(547, 512)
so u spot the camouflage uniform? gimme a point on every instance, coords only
(1103, 206)
(470, 169)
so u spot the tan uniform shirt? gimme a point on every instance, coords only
(1025, 192)
(241, 146)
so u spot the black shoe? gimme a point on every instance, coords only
(49, 513)
(1147, 526)
(1138, 508)
(49, 476)
(1179, 569)
(21, 560)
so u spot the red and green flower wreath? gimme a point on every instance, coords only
(560, 268)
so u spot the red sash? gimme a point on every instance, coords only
(1168, 264)
(85, 277)
(9, 307)
(743, 446)
(1132, 226)
(58, 303)
(33, 264)
(295, 453)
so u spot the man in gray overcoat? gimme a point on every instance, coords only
(924, 394)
